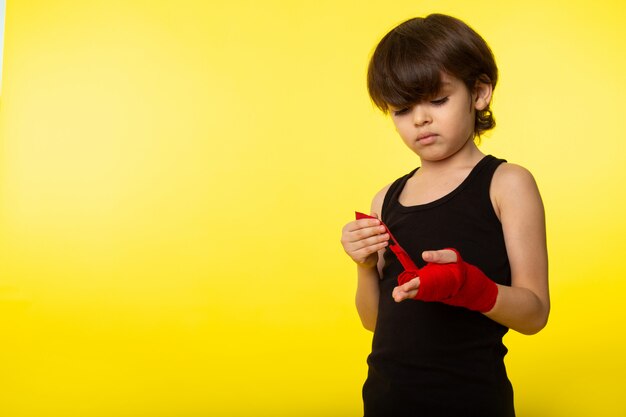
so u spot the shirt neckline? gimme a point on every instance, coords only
(445, 198)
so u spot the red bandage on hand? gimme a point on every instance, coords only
(457, 283)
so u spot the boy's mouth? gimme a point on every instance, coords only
(426, 138)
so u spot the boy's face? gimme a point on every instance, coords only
(438, 128)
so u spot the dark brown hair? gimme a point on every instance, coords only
(406, 66)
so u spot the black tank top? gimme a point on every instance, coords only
(431, 359)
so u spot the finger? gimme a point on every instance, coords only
(363, 233)
(372, 241)
(399, 294)
(444, 256)
(361, 224)
(359, 238)
(406, 290)
(369, 245)
(366, 237)
(366, 251)
(359, 248)
(412, 285)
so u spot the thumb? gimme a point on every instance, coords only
(444, 256)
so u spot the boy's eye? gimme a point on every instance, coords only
(400, 112)
(439, 101)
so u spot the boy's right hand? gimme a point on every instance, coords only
(362, 239)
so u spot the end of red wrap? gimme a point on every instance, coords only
(360, 215)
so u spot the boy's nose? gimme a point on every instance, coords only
(420, 115)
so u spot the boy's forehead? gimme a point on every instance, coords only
(450, 83)
(447, 80)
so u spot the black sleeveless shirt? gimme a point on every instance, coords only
(428, 358)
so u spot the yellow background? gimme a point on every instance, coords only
(175, 175)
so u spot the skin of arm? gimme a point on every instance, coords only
(525, 305)
(365, 241)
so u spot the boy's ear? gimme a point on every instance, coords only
(482, 94)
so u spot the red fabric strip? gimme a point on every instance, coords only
(404, 258)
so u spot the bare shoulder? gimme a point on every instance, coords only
(511, 179)
(379, 198)
(513, 186)
(512, 174)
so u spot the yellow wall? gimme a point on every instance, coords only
(174, 177)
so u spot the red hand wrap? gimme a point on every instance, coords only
(458, 284)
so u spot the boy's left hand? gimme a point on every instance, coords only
(409, 290)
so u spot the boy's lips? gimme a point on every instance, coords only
(426, 137)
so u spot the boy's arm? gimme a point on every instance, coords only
(367, 295)
(368, 271)
(525, 305)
